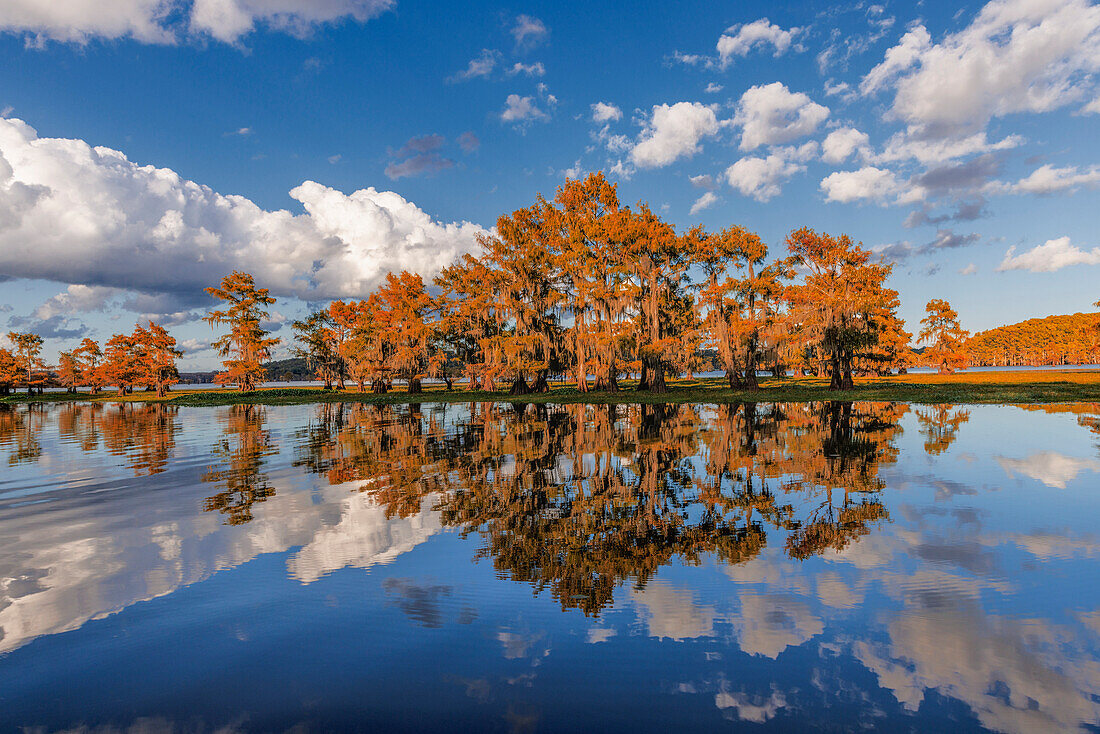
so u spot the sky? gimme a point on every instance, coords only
(149, 147)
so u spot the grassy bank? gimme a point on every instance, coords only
(1047, 386)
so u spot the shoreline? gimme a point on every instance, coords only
(1023, 387)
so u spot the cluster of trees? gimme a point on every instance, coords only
(573, 287)
(1054, 340)
(582, 286)
(144, 358)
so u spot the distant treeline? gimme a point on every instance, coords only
(1054, 340)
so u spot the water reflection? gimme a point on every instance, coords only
(809, 565)
(242, 453)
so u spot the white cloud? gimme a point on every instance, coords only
(521, 109)
(739, 40)
(535, 69)
(869, 182)
(87, 215)
(76, 298)
(1093, 107)
(763, 178)
(159, 21)
(707, 200)
(843, 142)
(142, 20)
(1016, 56)
(897, 59)
(970, 269)
(1048, 257)
(1047, 179)
(480, 66)
(528, 31)
(772, 114)
(672, 132)
(713, 88)
(912, 145)
(606, 112)
(703, 181)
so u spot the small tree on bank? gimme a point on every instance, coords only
(247, 345)
(948, 339)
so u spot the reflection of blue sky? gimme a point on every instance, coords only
(978, 597)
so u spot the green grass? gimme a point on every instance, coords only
(1032, 387)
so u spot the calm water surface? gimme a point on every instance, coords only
(481, 567)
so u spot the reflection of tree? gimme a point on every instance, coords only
(243, 452)
(20, 427)
(939, 425)
(578, 499)
(144, 434)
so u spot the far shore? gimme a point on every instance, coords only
(1018, 387)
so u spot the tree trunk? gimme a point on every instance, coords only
(378, 387)
(656, 382)
(750, 379)
(520, 386)
(734, 378)
(541, 383)
(415, 387)
(834, 373)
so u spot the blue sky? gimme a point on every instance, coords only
(150, 146)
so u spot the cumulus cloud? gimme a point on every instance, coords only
(528, 31)
(966, 211)
(166, 21)
(419, 156)
(713, 88)
(707, 200)
(535, 69)
(481, 66)
(519, 109)
(673, 132)
(76, 299)
(916, 146)
(739, 40)
(1013, 57)
(606, 112)
(763, 178)
(74, 213)
(843, 142)
(1048, 180)
(468, 142)
(869, 183)
(1048, 257)
(945, 239)
(771, 114)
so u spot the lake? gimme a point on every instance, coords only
(484, 567)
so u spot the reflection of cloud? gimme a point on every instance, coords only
(1049, 467)
(516, 644)
(599, 634)
(751, 708)
(768, 624)
(1016, 676)
(363, 537)
(420, 603)
(671, 613)
(91, 564)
